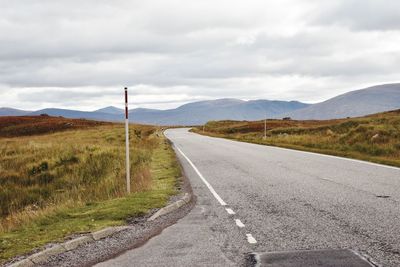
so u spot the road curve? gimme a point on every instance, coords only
(265, 199)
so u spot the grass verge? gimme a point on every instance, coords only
(154, 169)
(374, 138)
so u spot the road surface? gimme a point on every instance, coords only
(254, 198)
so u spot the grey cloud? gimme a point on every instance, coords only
(362, 14)
(200, 49)
(61, 95)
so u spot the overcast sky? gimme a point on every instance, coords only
(80, 54)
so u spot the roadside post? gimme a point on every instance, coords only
(128, 172)
(265, 126)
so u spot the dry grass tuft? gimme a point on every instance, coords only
(60, 177)
(47, 172)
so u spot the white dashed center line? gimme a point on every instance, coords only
(251, 239)
(230, 211)
(238, 222)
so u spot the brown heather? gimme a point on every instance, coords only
(39, 173)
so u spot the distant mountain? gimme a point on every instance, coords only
(111, 110)
(188, 114)
(356, 103)
(12, 112)
(75, 114)
(220, 109)
(353, 104)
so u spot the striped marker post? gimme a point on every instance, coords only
(128, 172)
(265, 126)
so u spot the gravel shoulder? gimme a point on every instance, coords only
(117, 244)
(139, 232)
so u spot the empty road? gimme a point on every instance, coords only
(253, 198)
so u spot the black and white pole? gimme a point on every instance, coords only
(128, 172)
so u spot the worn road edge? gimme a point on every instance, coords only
(94, 236)
(172, 207)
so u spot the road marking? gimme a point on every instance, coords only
(336, 157)
(230, 211)
(312, 153)
(220, 200)
(251, 239)
(239, 223)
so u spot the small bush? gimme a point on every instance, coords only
(44, 166)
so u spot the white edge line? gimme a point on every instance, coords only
(251, 239)
(230, 211)
(220, 200)
(239, 223)
(314, 153)
(337, 157)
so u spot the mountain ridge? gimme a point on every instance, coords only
(110, 110)
(18, 112)
(370, 100)
(356, 103)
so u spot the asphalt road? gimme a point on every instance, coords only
(282, 200)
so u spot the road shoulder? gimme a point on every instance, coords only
(89, 249)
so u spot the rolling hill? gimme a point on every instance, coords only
(203, 111)
(76, 114)
(188, 114)
(13, 112)
(111, 110)
(353, 104)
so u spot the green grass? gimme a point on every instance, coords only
(374, 138)
(97, 200)
(40, 172)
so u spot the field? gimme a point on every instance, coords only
(34, 125)
(59, 177)
(374, 138)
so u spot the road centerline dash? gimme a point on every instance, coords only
(230, 211)
(239, 223)
(215, 194)
(251, 239)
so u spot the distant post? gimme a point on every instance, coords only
(128, 172)
(265, 126)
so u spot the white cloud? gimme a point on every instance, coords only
(79, 54)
